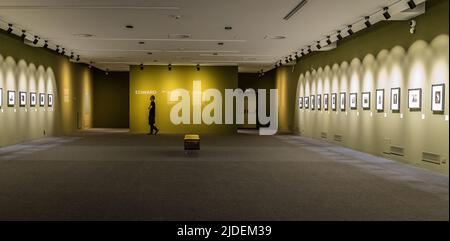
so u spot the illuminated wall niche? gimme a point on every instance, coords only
(416, 136)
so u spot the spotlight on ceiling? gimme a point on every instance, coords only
(45, 44)
(63, 52)
(296, 56)
(36, 40)
(386, 13)
(350, 30)
(329, 40)
(10, 29)
(412, 4)
(142, 66)
(57, 49)
(71, 55)
(286, 60)
(318, 45)
(339, 35)
(309, 49)
(198, 67)
(367, 22)
(78, 58)
(290, 58)
(24, 35)
(169, 67)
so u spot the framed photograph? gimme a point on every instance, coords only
(353, 101)
(365, 101)
(11, 98)
(22, 99)
(380, 100)
(1, 98)
(312, 102)
(50, 100)
(319, 102)
(41, 100)
(333, 101)
(32, 99)
(342, 101)
(306, 103)
(300, 102)
(325, 101)
(395, 99)
(438, 97)
(415, 99)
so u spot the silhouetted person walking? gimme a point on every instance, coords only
(152, 115)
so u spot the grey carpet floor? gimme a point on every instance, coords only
(112, 175)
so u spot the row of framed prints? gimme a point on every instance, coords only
(414, 100)
(11, 99)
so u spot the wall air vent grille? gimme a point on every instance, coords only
(397, 150)
(431, 157)
(338, 138)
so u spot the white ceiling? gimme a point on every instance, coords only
(115, 47)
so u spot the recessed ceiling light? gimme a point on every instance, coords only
(141, 42)
(215, 54)
(220, 43)
(149, 53)
(175, 16)
(228, 28)
(129, 26)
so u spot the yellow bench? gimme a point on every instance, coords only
(191, 142)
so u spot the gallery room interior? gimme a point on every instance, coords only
(205, 110)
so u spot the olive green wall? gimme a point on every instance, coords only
(383, 57)
(111, 99)
(159, 81)
(24, 68)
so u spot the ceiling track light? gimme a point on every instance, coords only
(71, 55)
(57, 49)
(329, 40)
(290, 58)
(63, 52)
(296, 56)
(45, 44)
(309, 49)
(10, 29)
(318, 45)
(24, 35)
(169, 67)
(350, 30)
(36, 40)
(386, 13)
(339, 35)
(412, 4)
(142, 66)
(198, 67)
(78, 58)
(367, 22)
(286, 60)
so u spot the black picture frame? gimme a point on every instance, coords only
(42, 100)
(342, 101)
(412, 99)
(325, 102)
(33, 99)
(306, 102)
(50, 100)
(319, 102)
(1, 98)
(22, 99)
(11, 98)
(395, 104)
(312, 102)
(441, 108)
(300, 102)
(365, 96)
(379, 106)
(353, 97)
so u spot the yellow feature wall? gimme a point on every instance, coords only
(417, 137)
(27, 69)
(159, 81)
